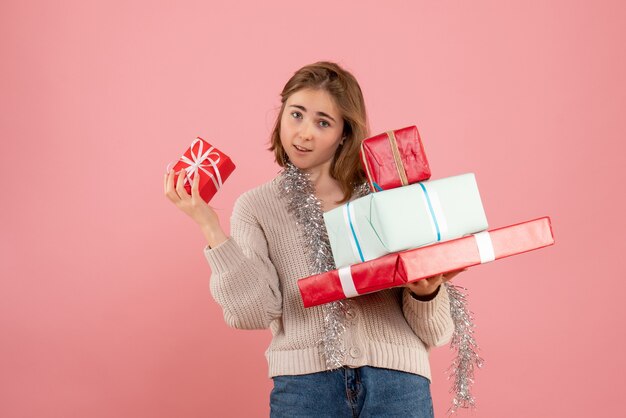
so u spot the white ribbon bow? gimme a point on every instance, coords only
(199, 162)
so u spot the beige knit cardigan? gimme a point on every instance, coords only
(254, 279)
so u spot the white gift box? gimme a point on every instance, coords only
(405, 217)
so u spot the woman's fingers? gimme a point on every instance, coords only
(447, 278)
(430, 281)
(438, 279)
(435, 278)
(180, 185)
(426, 286)
(195, 187)
(170, 192)
(452, 274)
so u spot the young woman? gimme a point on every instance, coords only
(367, 356)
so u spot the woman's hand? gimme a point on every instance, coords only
(426, 289)
(193, 205)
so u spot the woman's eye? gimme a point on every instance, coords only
(296, 114)
(324, 124)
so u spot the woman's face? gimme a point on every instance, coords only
(310, 129)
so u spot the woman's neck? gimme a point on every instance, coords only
(322, 181)
(327, 189)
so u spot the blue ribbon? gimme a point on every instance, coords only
(377, 187)
(358, 247)
(432, 212)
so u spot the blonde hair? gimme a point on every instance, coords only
(345, 90)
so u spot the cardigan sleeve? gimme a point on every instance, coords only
(431, 321)
(244, 281)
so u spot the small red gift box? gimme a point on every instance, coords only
(394, 159)
(474, 249)
(212, 165)
(350, 281)
(407, 266)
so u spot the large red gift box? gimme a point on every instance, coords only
(394, 159)
(350, 281)
(211, 164)
(474, 249)
(407, 266)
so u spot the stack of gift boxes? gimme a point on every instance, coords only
(410, 228)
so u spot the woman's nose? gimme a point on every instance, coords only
(306, 131)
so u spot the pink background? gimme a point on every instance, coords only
(105, 308)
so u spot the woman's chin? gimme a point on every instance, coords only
(299, 162)
(308, 165)
(300, 165)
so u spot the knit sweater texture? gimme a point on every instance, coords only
(254, 276)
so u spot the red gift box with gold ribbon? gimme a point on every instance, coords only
(204, 160)
(394, 159)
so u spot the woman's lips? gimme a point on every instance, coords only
(301, 149)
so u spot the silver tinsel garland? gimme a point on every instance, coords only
(307, 209)
(304, 205)
(462, 368)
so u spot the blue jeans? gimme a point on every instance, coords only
(345, 392)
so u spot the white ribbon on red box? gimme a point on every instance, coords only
(485, 251)
(485, 247)
(199, 161)
(347, 282)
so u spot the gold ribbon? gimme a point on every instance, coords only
(366, 164)
(396, 156)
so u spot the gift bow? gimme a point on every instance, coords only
(199, 161)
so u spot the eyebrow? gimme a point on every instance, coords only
(319, 113)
